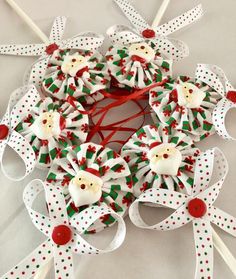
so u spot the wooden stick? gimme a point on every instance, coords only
(28, 21)
(224, 252)
(160, 13)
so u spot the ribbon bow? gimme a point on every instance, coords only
(216, 79)
(20, 103)
(64, 235)
(85, 40)
(197, 208)
(171, 48)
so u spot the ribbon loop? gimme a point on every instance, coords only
(214, 77)
(20, 104)
(58, 29)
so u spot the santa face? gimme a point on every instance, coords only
(73, 63)
(141, 52)
(189, 95)
(48, 125)
(165, 159)
(85, 188)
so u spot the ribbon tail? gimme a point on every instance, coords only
(86, 41)
(133, 16)
(58, 29)
(223, 220)
(181, 21)
(23, 50)
(31, 264)
(219, 115)
(204, 248)
(63, 262)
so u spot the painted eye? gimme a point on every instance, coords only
(157, 156)
(50, 126)
(146, 52)
(167, 149)
(79, 178)
(136, 48)
(91, 184)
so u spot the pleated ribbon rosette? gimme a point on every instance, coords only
(160, 157)
(185, 104)
(20, 104)
(50, 126)
(143, 55)
(91, 174)
(196, 207)
(65, 236)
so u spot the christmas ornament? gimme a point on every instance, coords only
(160, 157)
(215, 78)
(20, 103)
(80, 74)
(91, 174)
(143, 55)
(196, 207)
(185, 104)
(50, 126)
(86, 41)
(64, 235)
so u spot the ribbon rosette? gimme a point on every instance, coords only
(143, 55)
(216, 79)
(197, 207)
(64, 236)
(50, 126)
(91, 174)
(85, 41)
(79, 74)
(160, 157)
(185, 104)
(20, 103)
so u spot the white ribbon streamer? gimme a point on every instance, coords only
(20, 104)
(52, 224)
(216, 79)
(198, 208)
(171, 48)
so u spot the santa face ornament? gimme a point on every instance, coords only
(85, 188)
(185, 104)
(141, 52)
(165, 159)
(51, 126)
(90, 174)
(80, 74)
(160, 157)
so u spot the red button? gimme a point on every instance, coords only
(197, 208)
(61, 235)
(148, 33)
(4, 130)
(51, 48)
(231, 95)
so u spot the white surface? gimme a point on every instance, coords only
(145, 254)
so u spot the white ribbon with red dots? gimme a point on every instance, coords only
(171, 48)
(64, 236)
(85, 40)
(20, 104)
(216, 79)
(198, 208)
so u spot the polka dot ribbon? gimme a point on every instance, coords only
(216, 79)
(21, 102)
(198, 208)
(64, 236)
(85, 40)
(142, 31)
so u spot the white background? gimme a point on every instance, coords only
(145, 254)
